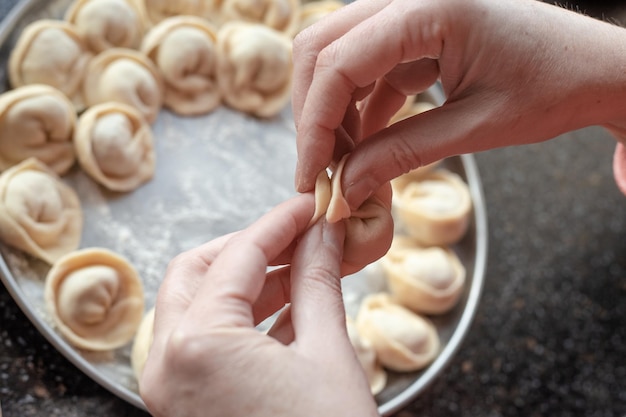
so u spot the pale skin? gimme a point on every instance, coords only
(513, 72)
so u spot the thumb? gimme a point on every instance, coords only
(317, 309)
(452, 129)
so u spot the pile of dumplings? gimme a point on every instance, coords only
(86, 89)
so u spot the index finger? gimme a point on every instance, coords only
(348, 64)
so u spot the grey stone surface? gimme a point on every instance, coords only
(549, 338)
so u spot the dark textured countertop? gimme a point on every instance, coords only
(549, 337)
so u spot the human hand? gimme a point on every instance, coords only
(207, 358)
(513, 72)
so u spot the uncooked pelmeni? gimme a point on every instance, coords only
(281, 15)
(114, 145)
(435, 209)
(184, 50)
(37, 121)
(105, 24)
(95, 298)
(159, 10)
(313, 11)
(365, 353)
(427, 280)
(404, 341)
(142, 343)
(50, 52)
(125, 76)
(38, 213)
(254, 68)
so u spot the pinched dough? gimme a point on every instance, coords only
(114, 145)
(95, 298)
(124, 76)
(38, 213)
(254, 68)
(105, 24)
(50, 52)
(184, 49)
(37, 121)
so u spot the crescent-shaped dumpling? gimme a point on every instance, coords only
(95, 298)
(365, 353)
(114, 145)
(313, 11)
(184, 50)
(38, 213)
(159, 10)
(124, 76)
(105, 24)
(403, 340)
(142, 343)
(369, 229)
(281, 15)
(435, 209)
(254, 68)
(37, 121)
(427, 280)
(50, 52)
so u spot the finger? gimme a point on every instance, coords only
(307, 46)
(282, 329)
(317, 309)
(237, 275)
(276, 293)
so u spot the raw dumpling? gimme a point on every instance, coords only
(369, 229)
(142, 343)
(95, 298)
(37, 121)
(254, 68)
(105, 24)
(281, 15)
(114, 146)
(435, 209)
(159, 10)
(403, 340)
(376, 375)
(427, 280)
(184, 49)
(124, 76)
(38, 213)
(315, 10)
(50, 52)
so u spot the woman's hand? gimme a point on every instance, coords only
(513, 72)
(207, 358)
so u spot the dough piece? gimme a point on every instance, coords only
(316, 10)
(369, 229)
(425, 280)
(403, 340)
(50, 52)
(142, 343)
(95, 298)
(254, 68)
(114, 146)
(105, 24)
(159, 10)
(280, 15)
(37, 121)
(124, 76)
(398, 184)
(38, 213)
(184, 49)
(435, 209)
(376, 375)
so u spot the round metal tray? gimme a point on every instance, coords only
(215, 174)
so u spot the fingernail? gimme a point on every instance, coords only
(359, 191)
